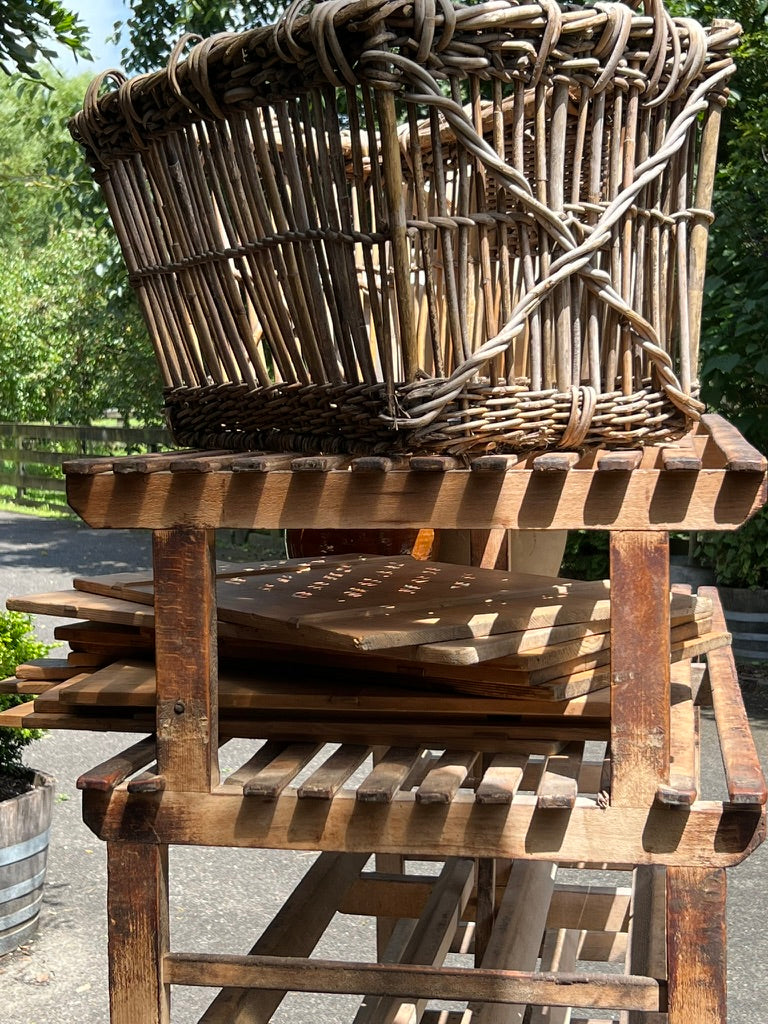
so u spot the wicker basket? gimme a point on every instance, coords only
(413, 226)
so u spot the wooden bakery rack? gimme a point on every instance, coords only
(495, 816)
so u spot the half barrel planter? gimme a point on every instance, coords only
(25, 826)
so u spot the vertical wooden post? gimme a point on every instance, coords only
(137, 907)
(185, 652)
(640, 685)
(647, 953)
(696, 945)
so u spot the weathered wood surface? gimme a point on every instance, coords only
(139, 934)
(640, 657)
(411, 981)
(185, 657)
(710, 834)
(696, 945)
(743, 772)
(521, 499)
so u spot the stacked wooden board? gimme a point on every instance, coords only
(345, 636)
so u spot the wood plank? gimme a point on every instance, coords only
(683, 785)
(640, 684)
(325, 782)
(294, 931)
(376, 464)
(389, 774)
(73, 604)
(409, 980)
(47, 670)
(555, 462)
(202, 462)
(265, 462)
(682, 457)
(738, 454)
(743, 772)
(647, 950)
(517, 934)
(443, 782)
(558, 955)
(651, 500)
(619, 461)
(117, 769)
(428, 943)
(710, 833)
(138, 933)
(494, 463)
(319, 463)
(696, 944)
(434, 463)
(559, 783)
(272, 779)
(185, 658)
(501, 779)
(154, 462)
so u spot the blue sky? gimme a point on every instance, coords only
(100, 17)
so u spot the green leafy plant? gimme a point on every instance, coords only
(739, 558)
(17, 645)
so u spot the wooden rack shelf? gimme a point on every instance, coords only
(499, 795)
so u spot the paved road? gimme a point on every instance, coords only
(222, 899)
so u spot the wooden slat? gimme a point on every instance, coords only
(185, 658)
(319, 463)
(743, 773)
(410, 981)
(640, 687)
(683, 785)
(262, 463)
(152, 462)
(494, 463)
(696, 944)
(434, 463)
(517, 933)
(327, 780)
(428, 943)
(559, 784)
(647, 949)
(556, 462)
(88, 467)
(444, 780)
(681, 457)
(559, 954)
(294, 931)
(202, 462)
(272, 779)
(650, 500)
(46, 670)
(376, 464)
(619, 461)
(738, 454)
(114, 770)
(388, 774)
(501, 779)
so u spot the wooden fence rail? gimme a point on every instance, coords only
(31, 454)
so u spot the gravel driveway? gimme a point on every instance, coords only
(222, 899)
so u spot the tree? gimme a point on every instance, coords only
(29, 27)
(152, 28)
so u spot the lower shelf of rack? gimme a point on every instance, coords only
(458, 941)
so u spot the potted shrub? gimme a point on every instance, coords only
(26, 801)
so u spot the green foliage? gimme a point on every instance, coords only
(29, 27)
(586, 555)
(740, 558)
(72, 340)
(152, 29)
(17, 645)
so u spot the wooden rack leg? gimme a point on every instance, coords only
(137, 907)
(640, 684)
(185, 655)
(696, 945)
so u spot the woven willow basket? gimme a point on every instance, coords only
(416, 226)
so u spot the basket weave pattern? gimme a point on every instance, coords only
(417, 226)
